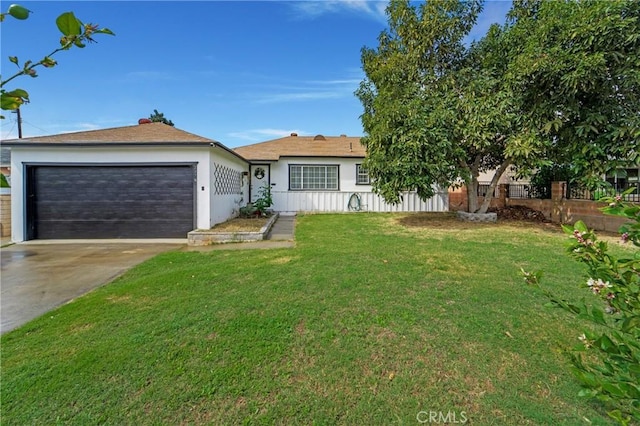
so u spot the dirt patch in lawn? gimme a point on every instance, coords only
(242, 224)
(449, 221)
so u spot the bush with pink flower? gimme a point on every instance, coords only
(607, 358)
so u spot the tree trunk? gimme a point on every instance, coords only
(472, 195)
(492, 187)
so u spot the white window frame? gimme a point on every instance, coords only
(362, 175)
(304, 183)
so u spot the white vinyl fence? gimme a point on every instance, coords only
(343, 201)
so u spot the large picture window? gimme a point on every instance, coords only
(313, 178)
(362, 175)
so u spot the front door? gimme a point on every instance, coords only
(259, 178)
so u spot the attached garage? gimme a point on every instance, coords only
(149, 180)
(114, 201)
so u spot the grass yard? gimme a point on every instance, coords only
(371, 319)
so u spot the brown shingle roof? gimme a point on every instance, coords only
(304, 146)
(141, 133)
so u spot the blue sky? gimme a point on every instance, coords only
(238, 72)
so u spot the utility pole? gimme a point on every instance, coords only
(19, 124)
(17, 111)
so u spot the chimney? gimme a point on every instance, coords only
(144, 121)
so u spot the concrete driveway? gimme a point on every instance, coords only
(37, 277)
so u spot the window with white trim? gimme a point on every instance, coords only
(362, 175)
(313, 178)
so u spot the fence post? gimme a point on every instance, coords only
(503, 191)
(557, 196)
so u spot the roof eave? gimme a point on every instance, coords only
(203, 144)
(322, 156)
(230, 151)
(102, 144)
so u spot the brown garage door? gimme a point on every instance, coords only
(116, 201)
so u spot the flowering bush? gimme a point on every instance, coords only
(607, 359)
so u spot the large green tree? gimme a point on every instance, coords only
(437, 113)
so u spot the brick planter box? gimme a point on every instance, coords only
(201, 237)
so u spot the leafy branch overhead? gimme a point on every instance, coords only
(74, 33)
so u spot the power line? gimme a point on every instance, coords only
(6, 135)
(33, 125)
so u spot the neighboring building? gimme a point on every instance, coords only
(5, 163)
(150, 180)
(322, 174)
(625, 178)
(5, 193)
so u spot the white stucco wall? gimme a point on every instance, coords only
(224, 204)
(338, 201)
(22, 156)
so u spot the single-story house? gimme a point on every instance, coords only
(152, 180)
(149, 180)
(322, 174)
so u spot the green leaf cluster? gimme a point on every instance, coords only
(261, 205)
(158, 117)
(4, 182)
(575, 65)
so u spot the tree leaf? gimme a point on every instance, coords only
(68, 24)
(19, 93)
(104, 31)
(10, 103)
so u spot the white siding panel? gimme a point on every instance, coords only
(338, 201)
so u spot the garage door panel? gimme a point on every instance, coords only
(114, 229)
(123, 210)
(113, 201)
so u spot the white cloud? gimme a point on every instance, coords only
(254, 135)
(313, 9)
(297, 96)
(149, 75)
(308, 91)
(350, 82)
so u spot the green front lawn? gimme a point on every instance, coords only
(371, 319)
